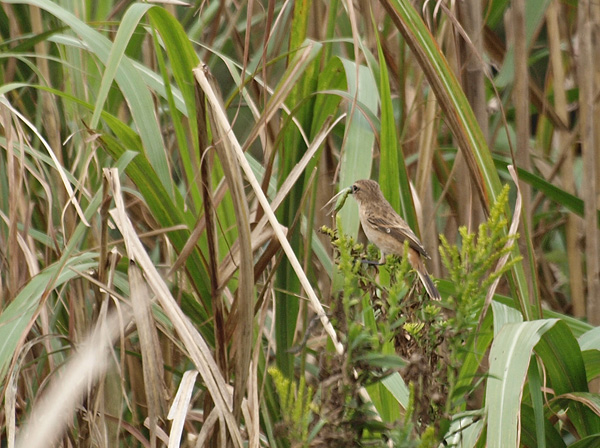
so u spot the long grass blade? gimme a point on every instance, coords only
(152, 360)
(242, 337)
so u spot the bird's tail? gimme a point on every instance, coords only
(428, 284)
(417, 263)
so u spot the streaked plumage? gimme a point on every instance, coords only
(388, 231)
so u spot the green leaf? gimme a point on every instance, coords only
(504, 315)
(528, 434)
(587, 442)
(183, 60)
(398, 388)
(465, 429)
(116, 54)
(357, 154)
(558, 195)
(590, 339)
(331, 80)
(392, 169)
(509, 361)
(565, 371)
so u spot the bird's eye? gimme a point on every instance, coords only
(354, 188)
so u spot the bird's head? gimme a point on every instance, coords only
(365, 190)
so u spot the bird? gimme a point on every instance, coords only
(388, 231)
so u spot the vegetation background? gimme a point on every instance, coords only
(164, 275)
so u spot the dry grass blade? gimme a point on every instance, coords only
(197, 348)
(14, 191)
(276, 101)
(23, 264)
(587, 70)
(299, 168)
(54, 411)
(242, 341)
(222, 118)
(262, 119)
(210, 221)
(568, 158)
(152, 360)
(28, 252)
(104, 208)
(180, 405)
(209, 422)
(295, 173)
(170, 2)
(10, 410)
(252, 408)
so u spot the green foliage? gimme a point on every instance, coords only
(385, 322)
(296, 407)
(470, 265)
(470, 268)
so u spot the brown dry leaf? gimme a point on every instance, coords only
(180, 405)
(207, 428)
(152, 360)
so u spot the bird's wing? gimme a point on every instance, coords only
(399, 230)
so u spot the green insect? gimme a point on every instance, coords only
(341, 200)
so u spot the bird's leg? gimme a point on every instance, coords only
(371, 262)
(375, 263)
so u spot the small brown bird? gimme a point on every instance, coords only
(388, 231)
